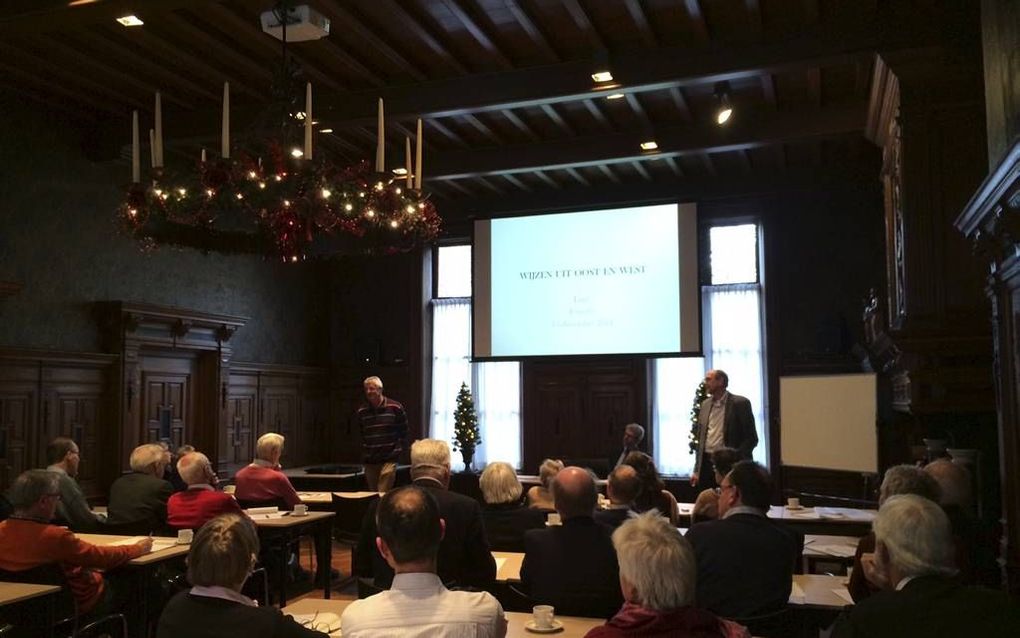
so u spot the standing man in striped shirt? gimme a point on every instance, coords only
(383, 433)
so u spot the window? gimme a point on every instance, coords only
(495, 386)
(733, 316)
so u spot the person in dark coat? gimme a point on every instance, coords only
(505, 513)
(623, 488)
(573, 566)
(140, 497)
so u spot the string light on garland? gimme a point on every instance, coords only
(288, 203)
(699, 397)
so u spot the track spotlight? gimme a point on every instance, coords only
(724, 108)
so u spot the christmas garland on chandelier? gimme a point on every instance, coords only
(279, 201)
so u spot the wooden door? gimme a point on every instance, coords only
(279, 413)
(167, 400)
(237, 447)
(18, 438)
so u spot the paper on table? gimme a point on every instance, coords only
(796, 595)
(325, 621)
(157, 543)
(254, 511)
(844, 594)
(846, 513)
(842, 551)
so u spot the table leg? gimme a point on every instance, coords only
(324, 556)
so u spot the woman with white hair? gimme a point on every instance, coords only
(506, 515)
(657, 578)
(540, 496)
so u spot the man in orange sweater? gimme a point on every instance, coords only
(27, 540)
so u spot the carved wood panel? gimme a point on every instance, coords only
(165, 401)
(17, 406)
(77, 418)
(279, 413)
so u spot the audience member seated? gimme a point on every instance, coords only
(898, 479)
(654, 494)
(540, 496)
(63, 456)
(976, 544)
(573, 566)
(263, 482)
(706, 506)
(505, 514)
(140, 496)
(745, 560)
(170, 474)
(622, 488)
(920, 596)
(418, 604)
(201, 502)
(28, 540)
(633, 434)
(465, 559)
(222, 556)
(657, 575)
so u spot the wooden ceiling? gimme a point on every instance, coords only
(511, 112)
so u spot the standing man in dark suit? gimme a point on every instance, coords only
(726, 420)
(140, 497)
(745, 560)
(465, 559)
(573, 566)
(921, 595)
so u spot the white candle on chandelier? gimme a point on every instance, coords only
(419, 167)
(136, 151)
(407, 162)
(152, 148)
(308, 121)
(203, 156)
(380, 158)
(225, 137)
(159, 132)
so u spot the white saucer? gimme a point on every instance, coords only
(532, 627)
(794, 508)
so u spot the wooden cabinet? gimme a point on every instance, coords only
(44, 395)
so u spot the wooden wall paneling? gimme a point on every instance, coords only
(345, 396)
(314, 440)
(19, 438)
(167, 400)
(278, 412)
(237, 443)
(77, 401)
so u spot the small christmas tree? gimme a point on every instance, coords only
(466, 435)
(699, 397)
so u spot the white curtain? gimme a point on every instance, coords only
(495, 387)
(733, 335)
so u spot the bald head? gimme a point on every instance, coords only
(954, 479)
(574, 493)
(624, 485)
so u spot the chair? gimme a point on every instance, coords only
(6, 509)
(62, 618)
(349, 514)
(277, 502)
(777, 624)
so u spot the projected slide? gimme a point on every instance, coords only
(603, 282)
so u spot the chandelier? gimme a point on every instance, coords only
(269, 193)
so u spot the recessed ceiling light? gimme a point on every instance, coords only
(602, 76)
(296, 152)
(614, 96)
(400, 171)
(325, 130)
(130, 21)
(650, 145)
(78, 3)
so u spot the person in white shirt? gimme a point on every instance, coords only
(418, 605)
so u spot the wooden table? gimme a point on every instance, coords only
(42, 611)
(286, 528)
(11, 593)
(142, 568)
(572, 627)
(828, 548)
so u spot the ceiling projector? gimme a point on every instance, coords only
(303, 24)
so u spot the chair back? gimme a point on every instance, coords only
(278, 503)
(350, 512)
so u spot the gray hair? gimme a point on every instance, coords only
(145, 458)
(268, 444)
(430, 457)
(916, 533)
(31, 486)
(376, 381)
(908, 479)
(657, 561)
(637, 429)
(499, 484)
(223, 552)
(193, 468)
(548, 470)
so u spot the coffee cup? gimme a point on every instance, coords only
(185, 536)
(553, 519)
(300, 509)
(793, 502)
(543, 616)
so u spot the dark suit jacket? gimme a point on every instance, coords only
(612, 518)
(464, 555)
(745, 564)
(573, 567)
(204, 617)
(139, 497)
(738, 428)
(506, 523)
(933, 607)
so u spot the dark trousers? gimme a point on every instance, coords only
(706, 480)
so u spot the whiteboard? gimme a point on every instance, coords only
(828, 422)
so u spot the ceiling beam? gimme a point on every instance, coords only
(478, 33)
(675, 141)
(637, 14)
(408, 23)
(61, 16)
(354, 24)
(698, 23)
(532, 29)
